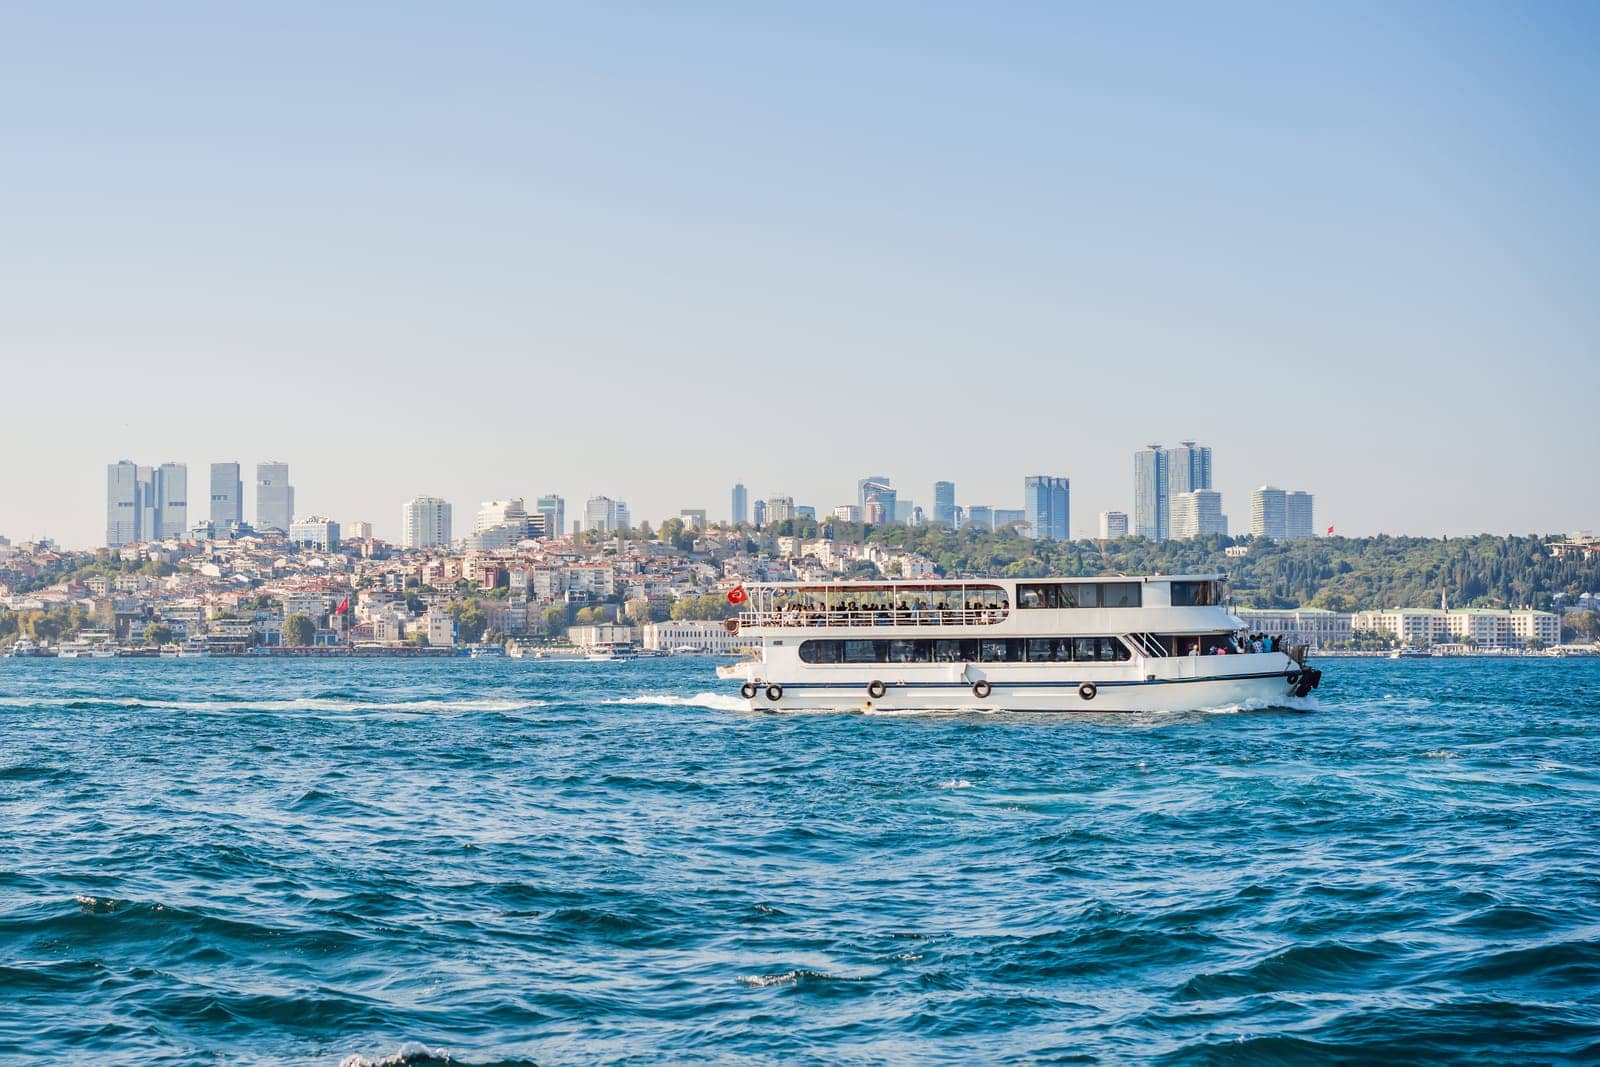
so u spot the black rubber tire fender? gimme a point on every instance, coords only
(876, 689)
(749, 690)
(774, 693)
(1087, 690)
(980, 689)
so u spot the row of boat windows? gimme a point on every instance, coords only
(968, 650)
(1078, 595)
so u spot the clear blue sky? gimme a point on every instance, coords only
(644, 250)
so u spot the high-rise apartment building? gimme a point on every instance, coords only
(1197, 513)
(741, 504)
(876, 490)
(1188, 467)
(227, 496)
(1299, 521)
(1046, 507)
(172, 500)
(554, 510)
(780, 508)
(122, 504)
(1113, 525)
(501, 513)
(1150, 492)
(146, 503)
(425, 523)
(1269, 513)
(944, 503)
(981, 516)
(603, 515)
(760, 516)
(274, 497)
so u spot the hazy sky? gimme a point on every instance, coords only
(648, 249)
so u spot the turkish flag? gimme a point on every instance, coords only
(737, 595)
(344, 606)
(1330, 531)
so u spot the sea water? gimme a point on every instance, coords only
(231, 861)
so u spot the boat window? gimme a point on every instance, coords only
(1119, 594)
(963, 651)
(820, 651)
(1084, 648)
(865, 651)
(1193, 594)
(909, 651)
(1085, 596)
(1031, 596)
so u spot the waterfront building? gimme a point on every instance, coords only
(1150, 492)
(1113, 525)
(944, 503)
(1197, 513)
(1315, 627)
(122, 504)
(1046, 501)
(274, 497)
(692, 636)
(1188, 468)
(441, 627)
(172, 501)
(741, 504)
(981, 516)
(227, 496)
(425, 523)
(554, 510)
(315, 532)
(1486, 628)
(1269, 513)
(1298, 517)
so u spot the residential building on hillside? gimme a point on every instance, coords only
(425, 523)
(1197, 513)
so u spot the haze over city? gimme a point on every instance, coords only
(650, 253)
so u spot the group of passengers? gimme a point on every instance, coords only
(885, 613)
(1241, 644)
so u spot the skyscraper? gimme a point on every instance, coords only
(227, 496)
(981, 516)
(501, 513)
(780, 508)
(1113, 525)
(1197, 513)
(760, 514)
(1298, 518)
(944, 503)
(1188, 467)
(1150, 493)
(554, 510)
(149, 497)
(603, 515)
(122, 504)
(1045, 505)
(741, 504)
(274, 497)
(172, 500)
(875, 489)
(425, 523)
(1269, 513)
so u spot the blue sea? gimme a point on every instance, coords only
(386, 862)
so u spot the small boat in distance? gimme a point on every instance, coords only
(1411, 653)
(1161, 643)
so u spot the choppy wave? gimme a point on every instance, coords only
(412, 864)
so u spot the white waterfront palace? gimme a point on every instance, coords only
(1069, 644)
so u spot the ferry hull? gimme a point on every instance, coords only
(1065, 697)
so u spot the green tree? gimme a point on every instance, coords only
(470, 624)
(298, 630)
(555, 619)
(638, 611)
(594, 615)
(157, 634)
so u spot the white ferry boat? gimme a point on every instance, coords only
(1068, 644)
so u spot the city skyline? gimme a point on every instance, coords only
(813, 233)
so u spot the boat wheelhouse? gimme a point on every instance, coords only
(1163, 643)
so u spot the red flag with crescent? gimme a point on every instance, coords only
(737, 595)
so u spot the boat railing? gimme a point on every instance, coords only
(885, 617)
(1147, 645)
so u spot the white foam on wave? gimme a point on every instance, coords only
(408, 1053)
(955, 783)
(714, 701)
(1307, 703)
